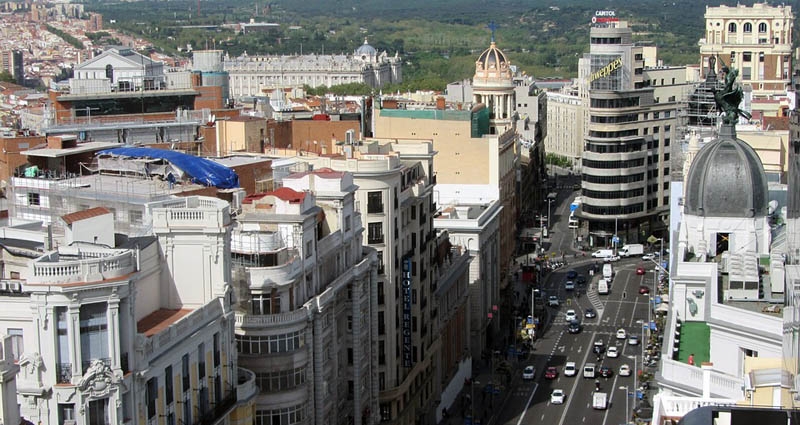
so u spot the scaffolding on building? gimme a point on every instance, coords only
(697, 114)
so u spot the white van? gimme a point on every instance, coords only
(602, 287)
(603, 253)
(608, 271)
(588, 370)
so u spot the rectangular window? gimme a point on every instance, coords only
(264, 304)
(151, 396)
(347, 223)
(747, 73)
(135, 217)
(381, 267)
(17, 346)
(217, 353)
(66, 412)
(64, 369)
(375, 233)
(747, 56)
(201, 361)
(94, 333)
(33, 199)
(98, 412)
(185, 373)
(374, 202)
(169, 390)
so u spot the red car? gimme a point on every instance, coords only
(640, 270)
(551, 373)
(644, 289)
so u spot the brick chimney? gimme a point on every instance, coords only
(440, 103)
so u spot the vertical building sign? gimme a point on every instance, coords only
(406, 282)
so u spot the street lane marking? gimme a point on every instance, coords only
(528, 404)
(578, 378)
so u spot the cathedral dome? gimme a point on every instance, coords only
(366, 49)
(726, 179)
(492, 70)
(492, 59)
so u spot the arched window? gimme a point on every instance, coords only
(748, 27)
(762, 27)
(732, 27)
(110, 72)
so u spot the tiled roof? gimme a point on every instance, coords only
(159, 320)
(83, 215)
(288, 194)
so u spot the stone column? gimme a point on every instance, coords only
(112, 317)
(74, 337)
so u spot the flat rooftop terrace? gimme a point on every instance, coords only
(695, 339)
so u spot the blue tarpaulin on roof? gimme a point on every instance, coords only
(203, 171)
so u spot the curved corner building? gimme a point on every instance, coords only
(625, 162)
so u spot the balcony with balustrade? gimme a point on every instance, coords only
(82, 264)
(190, 213)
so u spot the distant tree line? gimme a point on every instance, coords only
(66, 37)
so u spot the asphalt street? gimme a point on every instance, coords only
(528, 401)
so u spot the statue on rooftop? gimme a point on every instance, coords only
(729, 98)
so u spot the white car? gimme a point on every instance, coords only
(612, 352)
(557, 397)
(621, 334)
(570, 369)
(624, 370)
(633, 340)
(611, 259)
(529, 373)
(571, 315)
(650, 256)
(552, 301)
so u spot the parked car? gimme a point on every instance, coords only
(640, 270)
(621, 334)
(570, 369)
(528, 373)
(552, 301)
(599, 347)
(557, 397)
(571, 315)
(612, 352)
(606, 372)
(590, 313)
(624, 370)
(633, 340)
(572, 274)
(551, 373)
(644, 289)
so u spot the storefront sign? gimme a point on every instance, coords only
(606, 70)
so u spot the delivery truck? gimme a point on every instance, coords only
(599, 400)
(631, 250)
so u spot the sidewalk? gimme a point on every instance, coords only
(475, 398)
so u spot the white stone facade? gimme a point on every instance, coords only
(259, 75)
